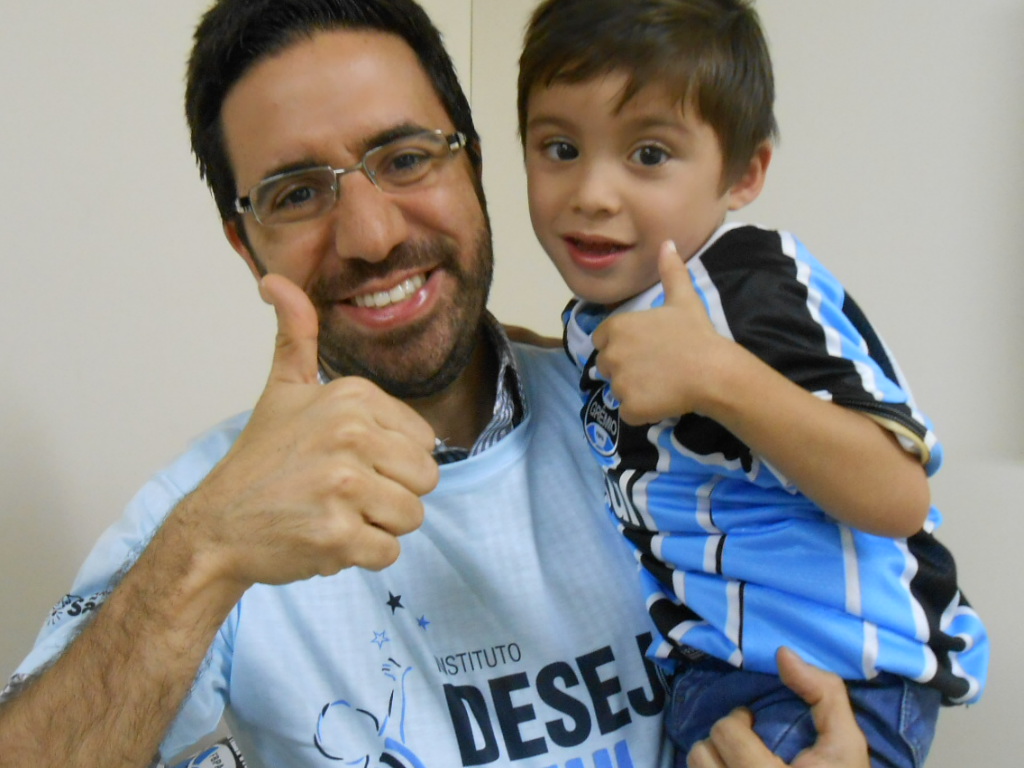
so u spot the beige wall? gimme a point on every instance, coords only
(128, 326)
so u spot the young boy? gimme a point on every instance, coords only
(767, 510)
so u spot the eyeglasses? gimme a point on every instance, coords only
(401, 165)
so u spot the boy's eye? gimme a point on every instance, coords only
(650, 155)
(561, 150)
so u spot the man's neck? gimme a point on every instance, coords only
(461, 411)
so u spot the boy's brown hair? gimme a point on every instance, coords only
(711, 53)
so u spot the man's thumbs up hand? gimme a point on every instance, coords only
(323, 477)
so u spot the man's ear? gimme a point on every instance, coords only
(238, 242)
(747, 188)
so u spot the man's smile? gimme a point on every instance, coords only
(397, 294)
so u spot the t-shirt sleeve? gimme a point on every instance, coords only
(113, 555)
(776, 300)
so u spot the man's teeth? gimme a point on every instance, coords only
(399, 293)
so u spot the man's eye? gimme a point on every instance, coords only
(409, 162)
(404, 167)
(295, 197)
(561, 151)
(650, 155)
(298, 194)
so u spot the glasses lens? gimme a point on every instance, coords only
(294, 196)
(407, 161)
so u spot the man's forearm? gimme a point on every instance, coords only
(109, 699)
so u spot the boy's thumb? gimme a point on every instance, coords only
(675, 277)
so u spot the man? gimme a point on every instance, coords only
(343, 158)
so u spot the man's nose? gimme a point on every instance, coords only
(368, 223)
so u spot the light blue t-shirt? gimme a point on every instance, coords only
(509, 632)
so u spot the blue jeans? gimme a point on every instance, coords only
(897, 715)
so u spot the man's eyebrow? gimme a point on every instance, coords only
(392, 133)
(297, 165)
(389, 134)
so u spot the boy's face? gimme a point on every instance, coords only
(607, 186)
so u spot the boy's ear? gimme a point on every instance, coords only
(746, 189)
(238, 242)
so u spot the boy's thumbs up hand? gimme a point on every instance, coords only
(655, 360)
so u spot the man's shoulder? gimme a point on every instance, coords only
(221, 434)
(202, 453)
(544, 368)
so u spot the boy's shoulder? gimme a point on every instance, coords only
(751, 249)
(745, 246)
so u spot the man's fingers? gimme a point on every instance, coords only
(408, 461)
(734, 743)
(360, 399)
(815, 686)
(295, 349)
(704, 755)
(829, 701)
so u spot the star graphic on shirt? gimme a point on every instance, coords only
(422, 621)
(395, 602)
(380, 638)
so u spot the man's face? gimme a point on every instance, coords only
(399, 280)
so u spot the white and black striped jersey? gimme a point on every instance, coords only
(736, 561)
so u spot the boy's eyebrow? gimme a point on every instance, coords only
(639, 123)
(548, 121)
(680, 127)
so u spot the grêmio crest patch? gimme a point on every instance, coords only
(601, 421)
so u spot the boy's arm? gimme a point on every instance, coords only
(846, 463)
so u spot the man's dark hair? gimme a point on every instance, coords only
(233, 35)
(710, 54)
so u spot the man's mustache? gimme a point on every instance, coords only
(403, 257)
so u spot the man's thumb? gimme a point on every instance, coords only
(827, 696)
(675, 277)
(295, 348)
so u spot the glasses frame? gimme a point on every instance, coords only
(455, 141)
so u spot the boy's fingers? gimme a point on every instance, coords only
(675, 277)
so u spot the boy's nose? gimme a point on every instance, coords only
(596, 192)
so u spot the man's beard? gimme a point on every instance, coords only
(424, 358)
